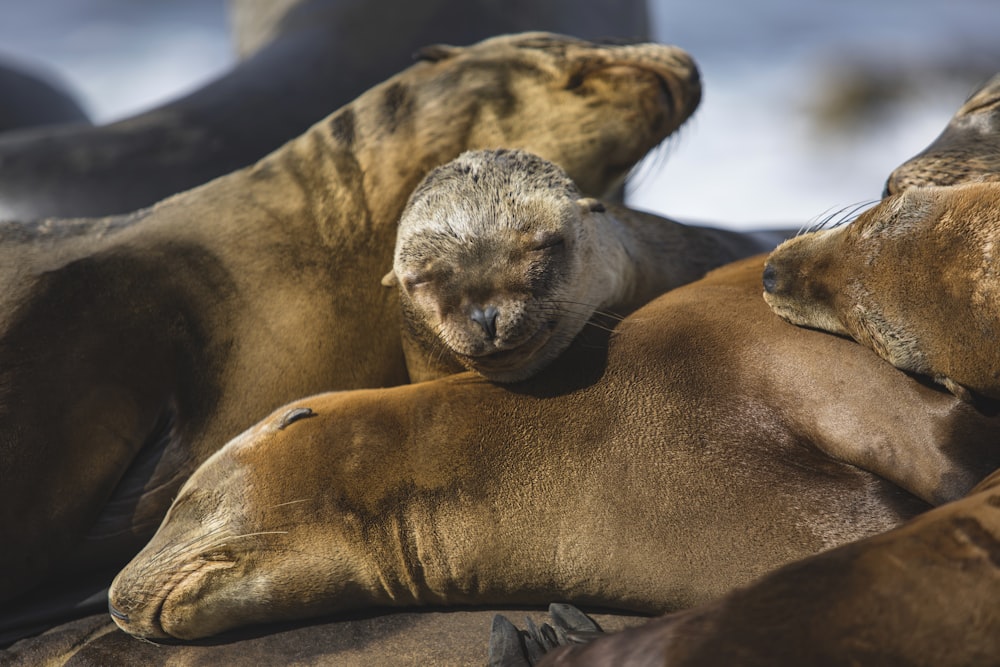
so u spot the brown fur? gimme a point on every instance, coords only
(916, 279)
(922, 594)
(503, 261)
(150, 340)
(968, 150)
(707, 448)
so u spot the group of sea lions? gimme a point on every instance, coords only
(651, 464)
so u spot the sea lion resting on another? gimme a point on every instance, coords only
(916, 279)
(150, 340)
(703, 451)
(501, 261)
(925, 593)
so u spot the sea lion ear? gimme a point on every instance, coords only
(961, 393)
(436, 52)
(390, 279)
(590, 205)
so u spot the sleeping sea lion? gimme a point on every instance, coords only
(133, 347)
(701, 451)
(915, 278)
(301, 60)
(500, 262)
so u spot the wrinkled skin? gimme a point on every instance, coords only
(133, 347)
(647, 496)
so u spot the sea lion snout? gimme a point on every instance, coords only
(485, 318)
(770, 278)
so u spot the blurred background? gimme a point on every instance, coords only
(808, 105)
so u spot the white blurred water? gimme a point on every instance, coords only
(754, 155)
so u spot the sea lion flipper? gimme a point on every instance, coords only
(506, 645)
(571, 620)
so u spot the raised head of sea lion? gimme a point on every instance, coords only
(301, 60)
(915, 278)
(500, 262)
(968, 150)
(133, 347)
(711, 443)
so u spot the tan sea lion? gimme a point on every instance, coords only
(301, 59)
(133, 347)
(705, 449)
(967, 150)
(915, 278)
(500, 261)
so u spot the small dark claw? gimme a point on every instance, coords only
(506, 646)
(571, 619)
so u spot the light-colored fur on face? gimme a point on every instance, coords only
(914, 278)
(507, 232)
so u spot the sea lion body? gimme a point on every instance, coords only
(302, 60)
(968, 150)
(501, 261)
(914, 278)
(131, 348)
(922, 594)
(633, 480)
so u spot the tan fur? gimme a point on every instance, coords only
(968, 150)
(707, 448)
(914, 278)
(500, 262)
(181, 325)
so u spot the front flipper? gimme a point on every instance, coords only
(510, 647)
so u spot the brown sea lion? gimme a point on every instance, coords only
(705, 449)
(967, 150)
(923, 594)
(133, 347)
(500, 262)
(915, 278)
(302, 60)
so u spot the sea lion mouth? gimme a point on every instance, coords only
(513, 357)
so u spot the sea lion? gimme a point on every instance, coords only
(922, 594)
(914, 278)
(500, 261)
(133, 347)
(967, 150)
(700, 451)
(302, 60)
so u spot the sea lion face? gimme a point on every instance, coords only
(616, 101)
(913, 278)
(491, 260)
(237, 544)
(968, 150)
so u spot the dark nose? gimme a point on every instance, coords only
(486, 318)
(770, 278)
(121, 616)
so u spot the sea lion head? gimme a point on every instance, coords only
(616, 101)
(968, 150)
(492, 259)
(239, 542)
(915, 279)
